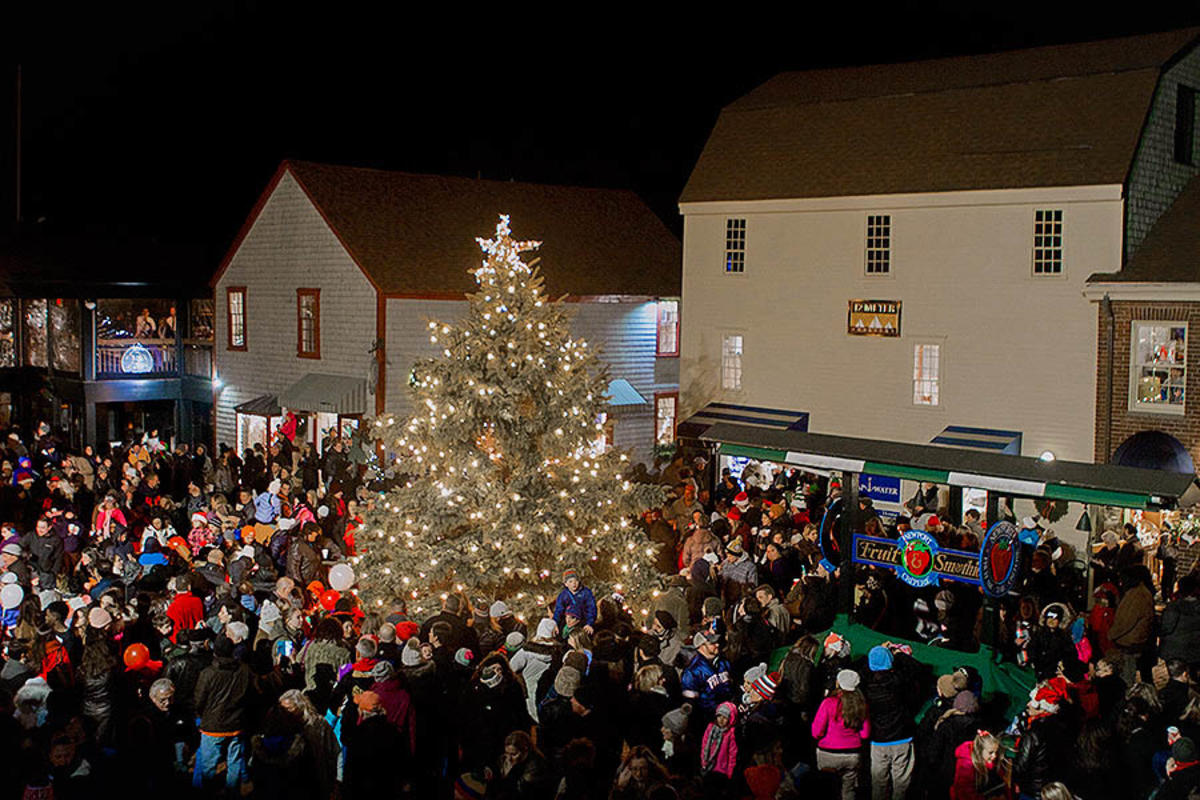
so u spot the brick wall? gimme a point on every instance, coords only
(1125, 423)
(1155, 179)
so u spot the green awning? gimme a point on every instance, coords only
(335, 394)
(1016, 476)
(622, 393)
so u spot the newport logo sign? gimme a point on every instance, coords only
(917, 559)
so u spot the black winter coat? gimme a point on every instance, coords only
(223, 693)
(1043, 755)
(890, 696)
(1180, 630)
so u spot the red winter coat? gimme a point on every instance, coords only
(963, 787)
(184, 612)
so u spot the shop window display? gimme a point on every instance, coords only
(36, 354)
(64, 335)
(8, 333)
(1159, 366)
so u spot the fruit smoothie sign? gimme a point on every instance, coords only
(917, 559)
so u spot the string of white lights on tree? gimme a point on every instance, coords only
(508, 479)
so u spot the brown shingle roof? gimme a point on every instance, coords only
(1050, 116)
(415, 234)
(1170, 253)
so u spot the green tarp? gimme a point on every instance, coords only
(1005, 678)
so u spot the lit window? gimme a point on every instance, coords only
(731, 362)
(36, 341)
(926, 374)
(879, 244)
(308, 323)
(1048, 242)
(735, 245)
(664, 417)
(668, 328)
(236, 316)
(1158, 367)
(8, 333)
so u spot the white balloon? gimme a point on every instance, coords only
(11, 596)
(341, 577)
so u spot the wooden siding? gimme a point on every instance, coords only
(290, 247)
(624, 331)
(1018, 351)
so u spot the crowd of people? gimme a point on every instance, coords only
(172, 621)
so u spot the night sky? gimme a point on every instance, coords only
(169, 126)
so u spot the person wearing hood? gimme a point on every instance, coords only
(185, 610)
(719, 747)
(267, 504)
(495, 706)
(975, 761)
(397, 702)
(890, 698)
(532, 659)
(576, 598)
(222, 697)
(1050, 643)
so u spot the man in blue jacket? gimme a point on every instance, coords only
(577, 600)
(706, 681)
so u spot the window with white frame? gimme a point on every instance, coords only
(879, 244)
(235, 322)
(927, 367)
(1158, 367)
(1048, 241)
(731, 361)
(667, 342)
(735, 245)
(664, 417)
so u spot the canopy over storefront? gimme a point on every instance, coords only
(1016, 476)
(751, 416)
(335, 394)
(266, 405)
(980, 439)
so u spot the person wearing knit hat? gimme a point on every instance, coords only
(498, 610)
(879, 658)
(764, 686)
(946, 688)
(470, 786)
(577, 660)
(464, 658)
(567, 681)
(368, 702)
(676, 722)
(836, 646)
(966, 702)
(513, 642)
(576, 599)
(848, 680)
(410, 656)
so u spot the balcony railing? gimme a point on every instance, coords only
(152, 358)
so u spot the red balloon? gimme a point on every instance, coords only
(136, 656)
(329, 599)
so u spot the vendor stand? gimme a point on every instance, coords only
(917, 558)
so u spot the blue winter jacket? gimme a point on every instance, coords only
(582, 604)
(707, 683)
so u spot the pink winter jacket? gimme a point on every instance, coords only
(831, 733)
(718, 748)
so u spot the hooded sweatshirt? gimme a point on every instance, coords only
(718, 748)
(533, 659)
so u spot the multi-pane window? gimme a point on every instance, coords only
(8, 333)
(64, 335)
(926, 374)
(735, 245)
(308, 323)
(236, 317)
(664, 417)
(36, 342)
(879, 244)
(731, 362)
(1158, 366)
(1185, 123)
(668, 328)
(1048, 241)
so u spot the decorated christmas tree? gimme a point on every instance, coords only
(507, 479)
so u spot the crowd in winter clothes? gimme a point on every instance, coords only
(178, 629)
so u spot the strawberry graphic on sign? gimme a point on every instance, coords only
(917, 558)
(1001, 558)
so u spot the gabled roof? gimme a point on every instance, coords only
(1170, 253)
(415, 234)
(1067, 115)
